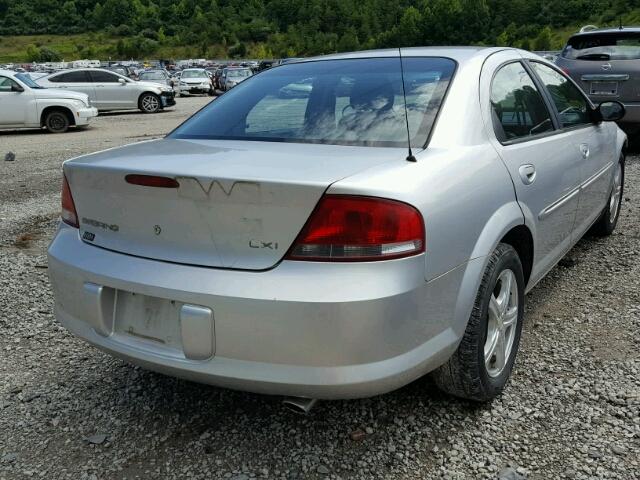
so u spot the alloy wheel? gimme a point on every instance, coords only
(150, 103)
(616, 194)
(501, 323)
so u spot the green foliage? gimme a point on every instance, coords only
(543, 40)
(141, 28)
(43, 54)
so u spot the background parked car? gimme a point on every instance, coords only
(111, 91)
(217, 74)
(195, 81)
(25, 104)
(606, 64)
(234, 76)
(124, 70)
(157, 76)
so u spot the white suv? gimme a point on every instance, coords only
(25, 104)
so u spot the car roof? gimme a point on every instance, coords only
(610, 30)
(459, 54)
(7, 72)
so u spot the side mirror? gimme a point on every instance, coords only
(16, 88)
(611, 111)
(122, 81)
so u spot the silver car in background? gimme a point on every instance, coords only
(161, 77)
(311, 245)
(110, 91)
(195, 81)
(233, 76)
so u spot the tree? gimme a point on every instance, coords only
(543, 41)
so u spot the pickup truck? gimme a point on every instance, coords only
(25, 104)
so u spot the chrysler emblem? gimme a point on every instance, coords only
(606, 66)
(157, 229)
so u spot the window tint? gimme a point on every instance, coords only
(571, 104)
(339, 102)
(78, 76)
(518, 109)
(99, 76)
(6, 84)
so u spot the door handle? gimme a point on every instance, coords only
(584, 150)
(527, 173)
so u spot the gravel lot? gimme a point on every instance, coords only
(572, 409)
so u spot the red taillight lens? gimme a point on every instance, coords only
(69, 215)
(152, 181)
(355, 228)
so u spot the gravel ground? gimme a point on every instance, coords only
(572, 409)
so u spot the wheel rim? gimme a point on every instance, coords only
(150, 103)
(57, 122)
(501, 323)
(616, 194)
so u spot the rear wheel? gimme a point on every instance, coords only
(480, 367)
(56, 121)
(608, 220)
(149, 103)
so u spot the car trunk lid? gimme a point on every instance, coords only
(237, 205)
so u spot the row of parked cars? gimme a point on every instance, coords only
(70, 98)
(600, 61)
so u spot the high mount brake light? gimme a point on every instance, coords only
(347, 228)
(68, 214)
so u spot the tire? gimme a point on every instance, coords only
(149, 103)
(606, 224)
(212, 92)
(466, 374)
(56, 121)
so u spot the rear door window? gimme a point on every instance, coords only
(572, 106)
(518, 109)
(99, 76)
(77, 76)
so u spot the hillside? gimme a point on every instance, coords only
(40, 30)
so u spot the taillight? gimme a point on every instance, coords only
(356, 228)
(69, 215)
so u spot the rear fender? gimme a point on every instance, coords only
(501, 222)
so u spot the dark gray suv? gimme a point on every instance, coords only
(605, 63)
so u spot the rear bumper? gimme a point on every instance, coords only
(316, 330)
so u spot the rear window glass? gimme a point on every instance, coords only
(340, 102)
(609, 46)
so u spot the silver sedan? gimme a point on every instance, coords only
(381, 224)
(110, 91)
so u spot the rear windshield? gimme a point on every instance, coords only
(609, 46)
(340, 102)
